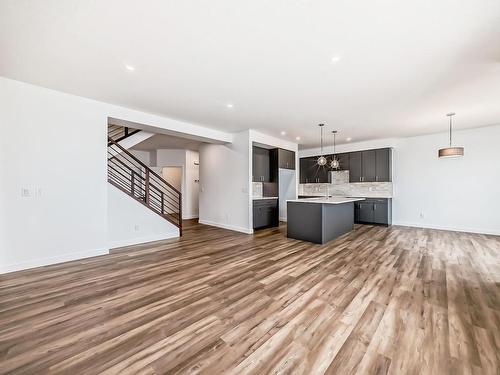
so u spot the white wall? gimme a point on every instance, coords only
(130, 222)
(178, 158)
(225, 184)
(192, 186)
(143, 156)
(457, 194)
(54, 144)
(226, 180)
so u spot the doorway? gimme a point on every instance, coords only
(173, 175)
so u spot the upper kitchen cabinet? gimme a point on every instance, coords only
(370, 166)
(305, 170)
(363, 166)
(286, 159)
(310, 172)
(260, 164)
(383, 168)
(343, 161)
(355, 167)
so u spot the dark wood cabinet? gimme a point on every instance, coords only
(373, 211)
(368, 165)
(265, 213)
(310, 172)
(383, 165)
(380, 212)
(260, 164)
(322, 174)
(355, 167)
(364, 212)
(343, 161)
(286, 159)
(363, 166)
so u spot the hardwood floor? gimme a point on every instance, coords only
(378, 300)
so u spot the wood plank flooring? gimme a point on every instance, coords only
(376, 301)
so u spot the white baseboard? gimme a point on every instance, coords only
(226, 226)
(283, 219)
(52, 260)
(450, 228)
(140, 240)
(189, 216)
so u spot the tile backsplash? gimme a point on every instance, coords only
(257, 189)
(340, 186)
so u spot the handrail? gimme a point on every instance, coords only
(119, 133)
(142, 164)
(132, 176)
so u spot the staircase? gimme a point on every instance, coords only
(140, 182)
(119, 133)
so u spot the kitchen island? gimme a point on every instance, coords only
(320, 220)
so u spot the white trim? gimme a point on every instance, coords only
(283, 219)
(453, 229)
(53, 260)
(189, 216)
(141, 240)
(226, 226)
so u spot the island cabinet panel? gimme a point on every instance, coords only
(286, 159)
(319, 222)
(355, 167)
(260, 165)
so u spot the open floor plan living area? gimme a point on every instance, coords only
(250, 187)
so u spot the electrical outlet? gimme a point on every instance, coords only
(422, 216)
(25, 192)
(137, 228)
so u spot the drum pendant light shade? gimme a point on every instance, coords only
(451, 152)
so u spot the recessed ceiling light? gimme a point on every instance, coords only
(229, 105)
(129, 67)
(349, 139)
(297, 138)
(283, 133)
(335, 59)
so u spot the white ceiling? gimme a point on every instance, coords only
(401, 64)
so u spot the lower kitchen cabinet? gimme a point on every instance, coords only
(265, 213)
(373, 211)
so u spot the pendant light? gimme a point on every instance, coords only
(321, 161)
(334, 164)
(451, 152)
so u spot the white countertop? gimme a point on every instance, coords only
(259, 198)
(330, 200)
(384, 196)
